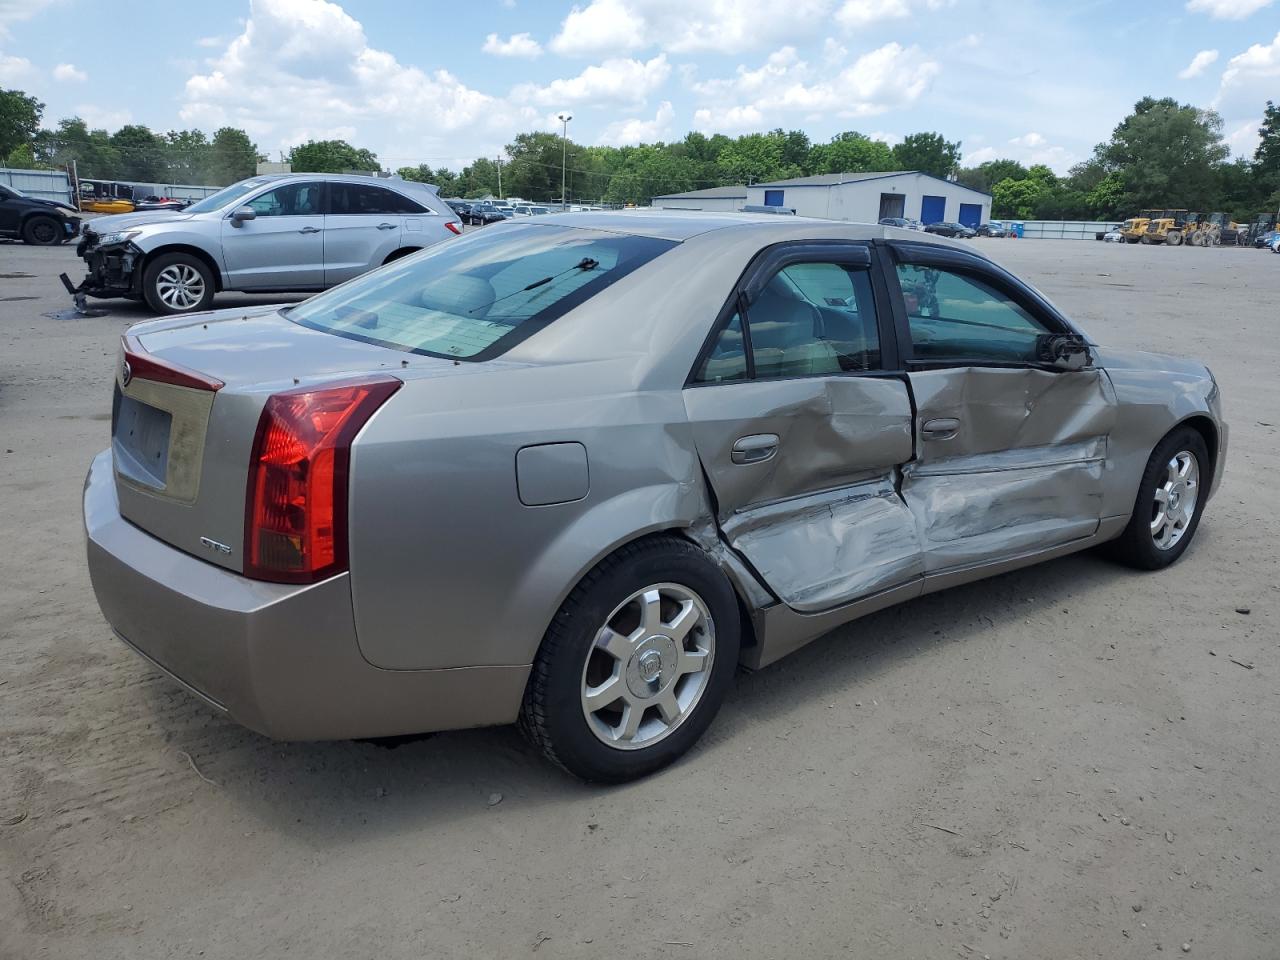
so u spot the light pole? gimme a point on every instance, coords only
(564, 118)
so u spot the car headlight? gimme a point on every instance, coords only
(118, 237)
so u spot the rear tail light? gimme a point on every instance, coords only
(295, 525)
(453, 226)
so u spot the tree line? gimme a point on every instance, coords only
(1164, 154)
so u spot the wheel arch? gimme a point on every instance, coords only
(400, 252)
(1204, 425)
(202, 255)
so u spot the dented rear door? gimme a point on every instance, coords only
(1009, 455)
(802, 429)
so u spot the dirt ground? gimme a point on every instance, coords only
(1069, 761)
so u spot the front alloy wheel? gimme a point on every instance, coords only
(1175, 500)
(1169, 504)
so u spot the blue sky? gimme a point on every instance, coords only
(443, 82)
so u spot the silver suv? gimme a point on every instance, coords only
(289, 232)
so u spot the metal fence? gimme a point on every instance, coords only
(1062, 229)
(42, 184)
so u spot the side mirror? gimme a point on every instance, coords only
(1063, 351)
(240, 214)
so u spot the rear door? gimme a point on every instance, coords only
(282, 248)
(802, 425)
(362, 228)
(1009, 454)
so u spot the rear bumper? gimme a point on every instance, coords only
(279, 659)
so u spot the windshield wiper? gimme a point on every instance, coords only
(586, 263)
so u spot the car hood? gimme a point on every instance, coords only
(125, 221)
(1112, 359)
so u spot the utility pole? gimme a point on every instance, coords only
(564, 118)
(499, 176)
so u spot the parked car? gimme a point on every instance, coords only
(950, 229)
(904, 223)
(576, 470)
(1113, 236)
(1263, 241)
(992, 230)
(484, 212)
(539, 211)
(263, 235)
(34, 220)
(460, 207)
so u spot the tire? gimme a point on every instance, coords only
(177, 283)
(648, 664)
(42, 231)
(1138, 545)
(1174, 239)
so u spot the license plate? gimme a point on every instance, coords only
(140, 441)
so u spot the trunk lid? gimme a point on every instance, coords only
(188, 395)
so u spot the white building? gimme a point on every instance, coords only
(716, 199)
(869, 197)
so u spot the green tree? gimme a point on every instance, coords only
(91, 150)
(143, 155)
(1106, 199)
(851, 152)
(19, 119)
(444, 179)
(1167, 155)
(1266, 158)
(758, 157)
(1016, 198)
(929, 153)
(188, 156)
(21, 157)
(986, 175)
(331, 156)
(232, 156)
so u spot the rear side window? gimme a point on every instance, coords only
(361, 198)
(475, 298)
(810, 319)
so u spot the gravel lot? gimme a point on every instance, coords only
(1069, 761)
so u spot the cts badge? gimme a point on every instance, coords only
(214, 545)
(126, 373)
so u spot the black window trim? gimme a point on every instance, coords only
(915, 253)
(324, 197)
(422, 210)
(761, 269)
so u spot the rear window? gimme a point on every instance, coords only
(475, 298)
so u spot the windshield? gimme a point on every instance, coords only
(475, 298)
(226, 196)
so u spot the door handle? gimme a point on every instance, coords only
(386, 226)
(309, 230)
(756, 448)
(942, 428)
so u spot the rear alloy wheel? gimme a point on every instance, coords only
(635, 664)
(42, 231)
(1170, 502)
(177, 283)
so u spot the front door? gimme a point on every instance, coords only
(362, 228)
(282, 248)
(1009, 453)
(802, 429)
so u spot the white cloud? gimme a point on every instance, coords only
(210, 42)
(1199, 63)
(1249, 79)
(1031, 140)
(889, 77)
(1259, 62)
(102, 118)
(856, 14)
(892, 139)
(1243, 141)
(1030, 148)
(517, 45)
(12, 11)
(636, 130)
(605, 27)
(15, 70)
(1227, 9)
(69, 73)
(303, 69)
(617, 81)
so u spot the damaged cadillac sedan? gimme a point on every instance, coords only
(573, 472)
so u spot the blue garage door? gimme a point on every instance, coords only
(773, 198)
(932, 209)
(971, 214)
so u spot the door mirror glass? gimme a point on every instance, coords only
(240, 214)
(1063, 351)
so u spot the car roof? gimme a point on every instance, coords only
(680, 225)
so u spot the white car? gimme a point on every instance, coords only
(1113, 236)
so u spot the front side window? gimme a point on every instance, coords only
(810, 319)
(474, 298)
(289, 200)
(955, 316)
(225, 197)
